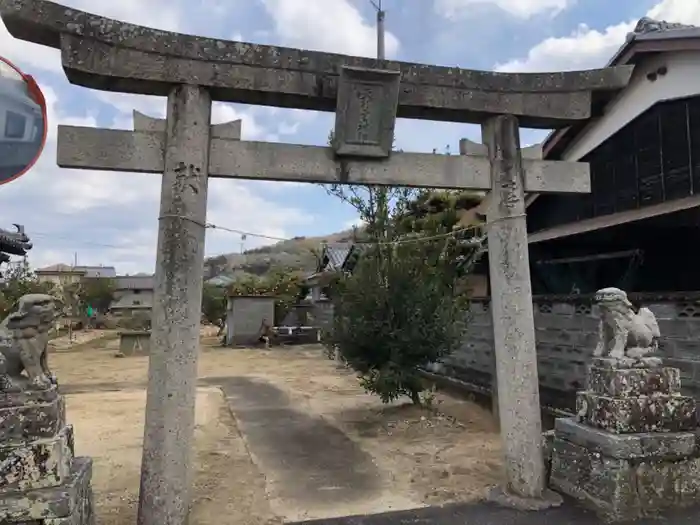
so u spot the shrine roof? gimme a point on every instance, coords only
(14, 243)
(649, 37)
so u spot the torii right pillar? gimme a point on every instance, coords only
(513, 322)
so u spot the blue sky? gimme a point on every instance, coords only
(111, 218)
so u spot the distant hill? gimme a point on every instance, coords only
(299, 253)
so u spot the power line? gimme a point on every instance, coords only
(246, 234)
(210, 226)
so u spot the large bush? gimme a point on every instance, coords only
(18, 280)
(403, 306)
(395, 314)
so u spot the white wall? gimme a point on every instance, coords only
(681, 80)
(15, 98)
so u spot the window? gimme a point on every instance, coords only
(15, 125)
(136, 302)
(38, 128)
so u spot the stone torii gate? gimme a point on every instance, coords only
(367, 95)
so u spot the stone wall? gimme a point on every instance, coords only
(566, 333)
(321, 314)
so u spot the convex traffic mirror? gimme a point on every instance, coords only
(22, 122)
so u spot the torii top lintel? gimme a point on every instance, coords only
(106, 54)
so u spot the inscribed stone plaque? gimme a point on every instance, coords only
(366, 112)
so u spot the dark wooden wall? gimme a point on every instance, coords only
(653, 159)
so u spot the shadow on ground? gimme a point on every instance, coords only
(489, 514)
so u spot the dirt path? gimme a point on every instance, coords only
(109, 428)
(313, 469)
(302, 434)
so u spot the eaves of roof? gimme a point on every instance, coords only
(650, 36)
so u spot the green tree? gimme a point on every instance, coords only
(70, 305)
(214, 305)
(96, 292)
(286, 287)
(284, 284)
(403, 307)
(18, 280)
(396, 313)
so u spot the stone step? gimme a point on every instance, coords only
(642, 446)
(631, 382)
(37, 464)
(629, 415)
(623, 489)
(40, 419)
(68, 504)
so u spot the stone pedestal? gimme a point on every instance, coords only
(135, 343)
(41, 480)
(632, 451)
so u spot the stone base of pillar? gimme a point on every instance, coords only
(135, 343)
(41, 482)
(502, 497)
(632, 451)
(625, 477)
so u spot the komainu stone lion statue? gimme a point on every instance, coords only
(24, 337)
(622, 332)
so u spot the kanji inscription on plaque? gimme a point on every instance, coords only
(366, 112)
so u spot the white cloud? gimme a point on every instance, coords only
(327, 25)
(590, 48)
(111, 218)
(355, 223)
(518, 8)
(161, 14)
(250, 128)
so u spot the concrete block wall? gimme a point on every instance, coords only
(244, 318)
(679, 323)
(321, 314)
(566, 331)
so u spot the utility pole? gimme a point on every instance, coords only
(381, 14)
(67, 292)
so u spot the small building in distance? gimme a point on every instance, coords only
(341, 257)
(245, 316)
(335, 257)
(132, 294)
(61, 275)
(98, 272)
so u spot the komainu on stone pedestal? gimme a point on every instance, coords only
(622, 332)
(631, 451)
(41, 480)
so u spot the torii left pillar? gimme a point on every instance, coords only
(166, 470)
